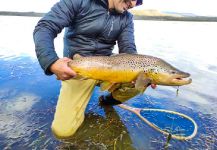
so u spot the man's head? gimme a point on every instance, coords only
(122, 5)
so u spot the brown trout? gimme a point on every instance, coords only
(141, 70)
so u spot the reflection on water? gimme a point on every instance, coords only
(101, 132)
(28, 98)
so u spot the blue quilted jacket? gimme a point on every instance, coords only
(90, 29)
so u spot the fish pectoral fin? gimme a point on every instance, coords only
(113, 55)
(142, 82)
(106, 85)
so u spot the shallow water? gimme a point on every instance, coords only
(28, 97)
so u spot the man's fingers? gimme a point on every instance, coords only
(61, 70)
(66, 59)
(70, 72)
(64, 77)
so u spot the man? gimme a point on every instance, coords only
(92, 27)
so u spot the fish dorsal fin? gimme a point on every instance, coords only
(77, 56)
(142, 82)
(106, 85)
(121, 54)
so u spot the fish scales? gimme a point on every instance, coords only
(122, 68)
(117, 68)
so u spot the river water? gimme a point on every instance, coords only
(28, 97)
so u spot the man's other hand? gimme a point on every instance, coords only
(153, 86)
(61, 70)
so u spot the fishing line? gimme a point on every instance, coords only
(173, 124)
(177, 91)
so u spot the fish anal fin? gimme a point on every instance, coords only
(106, 85)
(79, 77)
(114, 87)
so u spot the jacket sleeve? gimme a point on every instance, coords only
(61, 15)
(126, 42)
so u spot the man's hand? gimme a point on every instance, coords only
(153, 86)
(61, 69)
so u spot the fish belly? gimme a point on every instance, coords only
(102, 74)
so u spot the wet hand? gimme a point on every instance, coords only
(61, 69)
(153, 86)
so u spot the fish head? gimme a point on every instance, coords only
(162, 73)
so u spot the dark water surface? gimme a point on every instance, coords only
(28, 97)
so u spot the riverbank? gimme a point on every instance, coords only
(25, 14)
(141, 16)
(172, 18)
(169, 16)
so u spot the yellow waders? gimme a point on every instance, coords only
(73, 99)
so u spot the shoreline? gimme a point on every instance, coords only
(136, 17)
(24, 14)
(172, 18)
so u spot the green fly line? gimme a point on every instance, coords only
(177, 91)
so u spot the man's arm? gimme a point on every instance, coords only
(126, 42)
(61, 15)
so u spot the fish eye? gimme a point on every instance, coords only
(173, 72)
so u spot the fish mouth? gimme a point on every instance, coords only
(182, 79)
